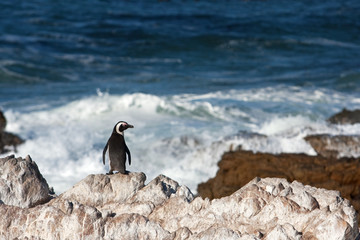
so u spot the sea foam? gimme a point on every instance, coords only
(182, 136)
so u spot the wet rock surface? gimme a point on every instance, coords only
(335, 146)
(346, 117)
(338, 146)
(124, 207)
(7, 140)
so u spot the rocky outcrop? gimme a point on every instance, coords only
(7, 139)
(2, 121)
(338, 146)
(21, 183)
(237, 168)
(123, 207)
(346, 117)
(335, 146)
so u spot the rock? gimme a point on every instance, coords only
(2, 121)
(48, 222)
(346, 117)
(123, 207)
(335, 146)
(255, 211)
(21, 183)
(237, 168)
(98, 190)
(7, 139)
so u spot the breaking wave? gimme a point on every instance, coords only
(182, 136)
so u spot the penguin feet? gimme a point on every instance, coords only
(110, 173)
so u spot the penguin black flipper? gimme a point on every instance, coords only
(128, 152)
(104, 151)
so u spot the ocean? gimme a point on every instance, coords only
(195, 78)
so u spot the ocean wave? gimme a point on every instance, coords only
(183, 136)
(329, 42)
(13, 71)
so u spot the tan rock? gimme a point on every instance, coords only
(263, 208)
(236, 169)
(335, 146)
(98, 190)
(2, 121)
(21, 183)
(123, 207)
(346, 117)
(7, 140)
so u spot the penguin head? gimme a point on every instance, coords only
(121, 126)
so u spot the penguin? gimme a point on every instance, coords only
(117, 148)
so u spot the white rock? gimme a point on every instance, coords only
(100, 189)
(122, 207)
(21, 183)
(285, 232)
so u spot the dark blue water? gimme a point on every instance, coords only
(49, 50)
(194, 77)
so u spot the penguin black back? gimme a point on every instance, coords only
(117, 148)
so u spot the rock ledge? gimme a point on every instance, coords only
(123, 207)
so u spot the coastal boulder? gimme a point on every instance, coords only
(346, 117)
(237, 168)
(2, 121)
(335, 146)
(7, 139)
(269, 208)
(124, 207)
(21, 183)
(99, 189)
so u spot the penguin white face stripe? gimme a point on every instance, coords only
(118, 128)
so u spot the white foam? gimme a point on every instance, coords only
(280, 125)
(182, 136)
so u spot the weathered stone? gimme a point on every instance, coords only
(163, 188)
(48, 222)
(7, 139)
(263, 208)
(123, 207)
(335, 146)
(346, 117)
(21, 183)
(134, 226)
(237, 168)
(98, 190)
(2, 121)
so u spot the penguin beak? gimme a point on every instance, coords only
(130, 126)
